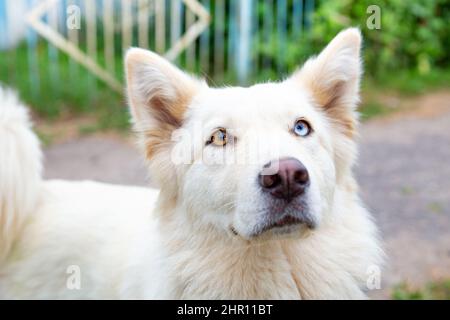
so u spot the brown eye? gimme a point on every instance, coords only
(219, 138)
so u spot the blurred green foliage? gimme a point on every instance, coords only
(414, 35)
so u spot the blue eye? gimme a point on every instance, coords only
(302, 128)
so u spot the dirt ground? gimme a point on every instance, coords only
(404, 173)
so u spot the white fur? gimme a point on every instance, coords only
(178, 243)
(20, 169)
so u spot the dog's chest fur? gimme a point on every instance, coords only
(238, 272)
(277, 269)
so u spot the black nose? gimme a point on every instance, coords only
(285, 178)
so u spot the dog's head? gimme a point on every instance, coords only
(250, 161)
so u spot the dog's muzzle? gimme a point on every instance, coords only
(286, 181)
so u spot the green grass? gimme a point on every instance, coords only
(410, 82)
(45, 139)
(62, 88)
(435, 207)
(432, 291)
(372, 109)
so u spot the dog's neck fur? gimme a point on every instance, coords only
(213, 265)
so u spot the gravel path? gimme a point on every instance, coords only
(404, 173)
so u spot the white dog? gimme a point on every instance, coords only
(257, 197)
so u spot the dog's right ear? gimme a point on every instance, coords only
(333, 79)
(159, 94)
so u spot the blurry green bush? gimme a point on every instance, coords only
(414, 35)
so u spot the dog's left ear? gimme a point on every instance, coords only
(333, 79)
(159, 94)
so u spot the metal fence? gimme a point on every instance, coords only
(224, 39)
